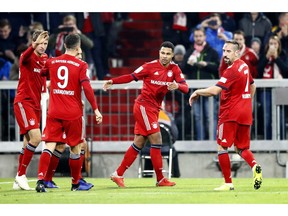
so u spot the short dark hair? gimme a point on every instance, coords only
(235, 43)
(72, 41)
(168, 44)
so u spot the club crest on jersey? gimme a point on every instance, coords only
(154, 125)
(170, 73)
(32, 121)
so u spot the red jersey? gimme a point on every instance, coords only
(30, 82)
(155, 79)
(249, 56)
(235, 99)
(67, 74)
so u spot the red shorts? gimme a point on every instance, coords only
(146, 119)
(55, 128)
(27, 117)
(229, 133)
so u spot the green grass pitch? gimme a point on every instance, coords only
(142, 197)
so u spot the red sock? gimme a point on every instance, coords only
(54, 161)
(225, 164)
(20, 158)
(44, 162)
(156, 158)
(75, 167)
(27, 157)
(248, 156)
(129, 157)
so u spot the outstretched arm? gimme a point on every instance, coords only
(207, 92)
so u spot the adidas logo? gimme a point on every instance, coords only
(156, 73)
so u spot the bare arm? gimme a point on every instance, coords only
(207, 92)
(253, 89)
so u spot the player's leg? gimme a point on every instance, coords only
(128, 159)
(225, 138)
(242, 147)
(75, 136)
(44, 162)
(84, 151)
(57, 153)
(28, 120)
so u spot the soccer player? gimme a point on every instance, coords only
(237, 89)
(68, 75)
(247, 54)
(159, 77)
(27, 106)
(59, 149)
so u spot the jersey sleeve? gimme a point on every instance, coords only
(141, 72)
(26, 54)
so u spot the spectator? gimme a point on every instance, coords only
(201, 61)
(56, 40)
(179, 53)
(281, 30)
(7, 42)
(91, 24)
(216, 35)
(256, 45)
(273, 64)
(246, 54)
(176, 27)
(255, 24)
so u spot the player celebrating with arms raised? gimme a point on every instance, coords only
(237, 89)
(159, 77)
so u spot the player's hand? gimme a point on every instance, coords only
(194, 96)
(99, 116)
(172, 86)
(40, 39)
(107, 85)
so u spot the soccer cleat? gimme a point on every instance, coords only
(50, 184)
(165, 182)
(82, 181)
(16, 186)
(81, 187)
(257, 176)
(23, 182)
(119, 180)
(40, 187)
(225, 187)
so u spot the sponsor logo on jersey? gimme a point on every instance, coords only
(157, 82)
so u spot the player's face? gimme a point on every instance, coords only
(165, 56)
(41, 48)
(239, 39)
(229, 53)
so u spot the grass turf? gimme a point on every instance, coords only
(144, 191)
